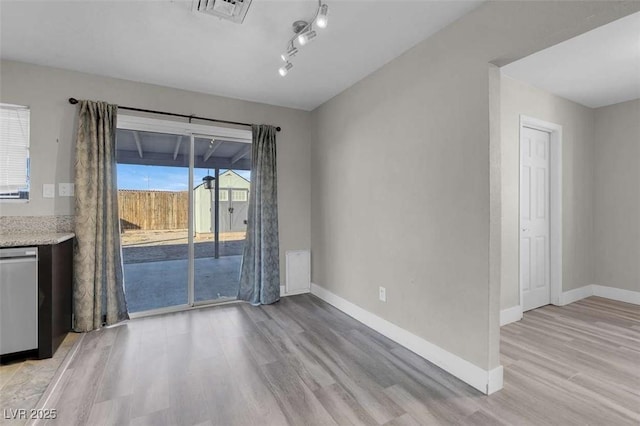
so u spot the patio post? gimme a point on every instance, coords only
(216, 215)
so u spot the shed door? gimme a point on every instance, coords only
(238, 209)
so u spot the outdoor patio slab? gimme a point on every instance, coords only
(160, 284)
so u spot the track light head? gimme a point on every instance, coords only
(306, 37)
(321, 20)
(284, 70)
(290, 53)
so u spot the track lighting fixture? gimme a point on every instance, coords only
(304, 33)
(285, 69)
(305, 38)
(290, 53)
(321, 20)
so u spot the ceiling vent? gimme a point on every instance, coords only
(232, 10)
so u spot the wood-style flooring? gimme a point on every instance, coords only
(303, 362)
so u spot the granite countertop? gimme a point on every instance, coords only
(34, 239)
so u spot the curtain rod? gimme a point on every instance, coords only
(74, 101)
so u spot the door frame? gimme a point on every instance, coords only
(189, 131)
(146, 124)
(555, 203)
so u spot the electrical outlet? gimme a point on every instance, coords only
(383, 294)
(66, 189)
(48, 190)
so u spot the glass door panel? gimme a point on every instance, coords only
(220, 213)
(153, 202)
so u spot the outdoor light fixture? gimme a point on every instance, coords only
(208, 182)
(303, 34)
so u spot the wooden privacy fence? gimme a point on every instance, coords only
(153, 210)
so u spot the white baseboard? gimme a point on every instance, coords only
(575, 294)
(496, 380)
(485, 381)
(509, 315)
(618, 294)
(612, 293)
(283, 291)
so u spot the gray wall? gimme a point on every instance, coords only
(424, 118)
(46, 91)
(617, 196)
(577, 123)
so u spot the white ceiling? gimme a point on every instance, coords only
(165, 43)
(598, 68)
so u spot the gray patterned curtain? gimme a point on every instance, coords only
(260, 271)
(98, 293)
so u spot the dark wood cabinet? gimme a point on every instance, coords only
(55, 286)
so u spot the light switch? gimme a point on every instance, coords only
(66, 189)
(48, 190)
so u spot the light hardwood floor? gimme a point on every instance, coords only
(303, 362)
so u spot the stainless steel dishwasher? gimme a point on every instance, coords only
(18, 299)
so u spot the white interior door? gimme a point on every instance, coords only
(534, 218)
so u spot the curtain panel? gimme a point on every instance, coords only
(98, 293)
(260, 270)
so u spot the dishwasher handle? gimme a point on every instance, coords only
(14, 260)
(19, 253)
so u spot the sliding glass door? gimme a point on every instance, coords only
(183, 202)
(219, 218)
(153, 202)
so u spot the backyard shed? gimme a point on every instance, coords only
(234, 203)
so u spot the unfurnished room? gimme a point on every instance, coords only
(319, 212)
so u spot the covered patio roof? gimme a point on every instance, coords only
(163, 149)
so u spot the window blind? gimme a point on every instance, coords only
(14, 147)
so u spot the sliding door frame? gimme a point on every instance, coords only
(191, 131)
(190, 226)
